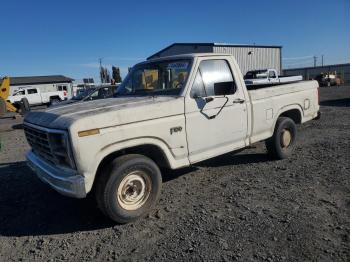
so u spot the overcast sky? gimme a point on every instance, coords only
(68, 37)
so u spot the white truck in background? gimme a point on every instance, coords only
(265, 77)
(36, 97)
(170, 112)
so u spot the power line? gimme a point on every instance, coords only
(297, 58)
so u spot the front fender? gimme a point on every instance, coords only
(123, 145)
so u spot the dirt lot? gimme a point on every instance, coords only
(241, 207)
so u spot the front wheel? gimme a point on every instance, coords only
(24, 106)
(281, 144)
(128, 188)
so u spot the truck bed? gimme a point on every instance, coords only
(300, 95)
(273, 90)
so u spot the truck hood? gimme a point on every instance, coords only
(107, 112)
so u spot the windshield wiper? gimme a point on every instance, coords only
(135, 92)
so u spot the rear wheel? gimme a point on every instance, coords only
(54, 101)
(128, 188)
(2, 106)
(282, 143)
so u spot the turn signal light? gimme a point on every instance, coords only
(88, 132)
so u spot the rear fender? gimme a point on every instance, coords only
(286, 109)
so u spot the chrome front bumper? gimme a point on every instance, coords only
(66, 182)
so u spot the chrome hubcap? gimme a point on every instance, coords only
(286, 138)
(134, 190)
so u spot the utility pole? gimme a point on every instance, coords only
(101, 72)
(322, 59)
(315, 61)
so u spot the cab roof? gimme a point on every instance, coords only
(183, 56)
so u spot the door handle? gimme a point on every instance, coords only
(238, 101)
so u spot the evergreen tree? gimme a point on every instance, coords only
(116, 74)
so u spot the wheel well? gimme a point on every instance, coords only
(55, 97)
(151, 151)
(294, 114)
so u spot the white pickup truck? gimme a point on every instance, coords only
(168, 113)
(36, 97)
(266, 77)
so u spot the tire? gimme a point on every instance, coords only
(24, 106)
(282, 143)
(2, 106)
(54, 101)
(128, 188)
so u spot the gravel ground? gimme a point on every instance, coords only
(241, 207)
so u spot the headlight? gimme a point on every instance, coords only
(61, 149)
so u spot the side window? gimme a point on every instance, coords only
(62, 88)
(209, 73)
(32, 91)
(272, 74)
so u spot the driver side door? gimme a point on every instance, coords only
(216, 121)
(33, 96)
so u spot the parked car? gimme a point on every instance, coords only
(89, 94)
(36, 97)
(268, 77)
(194, 107)
(327, 79)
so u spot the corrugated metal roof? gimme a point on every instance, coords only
(212, 44)
(31, 80)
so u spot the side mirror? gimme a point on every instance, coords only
(206, 99)
(224, 88)
(209, 99)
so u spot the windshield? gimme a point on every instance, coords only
(19, 93)
(101, 93)
(82, 93)
(156, 78)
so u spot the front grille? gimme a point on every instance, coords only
(40, 143)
